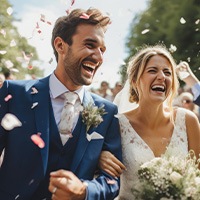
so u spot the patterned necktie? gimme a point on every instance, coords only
(67, 115)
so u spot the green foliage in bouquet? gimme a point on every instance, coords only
(169, 177)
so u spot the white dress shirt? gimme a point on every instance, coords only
(57, 89)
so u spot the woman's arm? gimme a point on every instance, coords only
(110, 164)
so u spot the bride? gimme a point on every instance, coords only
(154, 127)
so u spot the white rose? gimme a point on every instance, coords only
(175, 177)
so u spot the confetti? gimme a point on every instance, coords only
(14, 70)
(8, 64)
(34, 105)
(10, 121)
(34, 90)
(172, 48)
(182, 20)
(145, 31)
(30, 67)
(84, 16)
(37, 140)
(12, 43)
(111, 182)
(8, 97)
(50, 61)
(197, 22)
(3, 52)
(9, 11)
(3, 32)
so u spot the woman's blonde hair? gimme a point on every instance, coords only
(137, 66)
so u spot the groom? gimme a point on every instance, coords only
(69, 162)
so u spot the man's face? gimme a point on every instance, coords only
(85, 55)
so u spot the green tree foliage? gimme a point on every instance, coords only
(169, 22)
(13, 54)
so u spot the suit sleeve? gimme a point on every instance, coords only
(105, 187)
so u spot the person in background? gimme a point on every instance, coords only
(41, 160)
(9, 75)
(105, 91)
(117, 88)
(185, 74)
(185, 100)
(2, 79)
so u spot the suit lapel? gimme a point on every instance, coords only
(82, 142)
(42, 100)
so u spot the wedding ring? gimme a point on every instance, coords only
(54, 190)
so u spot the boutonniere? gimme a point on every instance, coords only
(92, 115)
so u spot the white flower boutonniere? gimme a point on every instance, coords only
(92, 115)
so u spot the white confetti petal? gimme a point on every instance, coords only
(145, 31)
(34, 105)
(10, 121)
(12, 43)
(182, 20)
(34, 90)
(3, 52)
(9, 11)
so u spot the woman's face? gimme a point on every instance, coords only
(156, 81)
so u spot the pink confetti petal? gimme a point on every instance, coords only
(8, 97)
(30, 67)
(34, 90)
(111, 182)
(73, 1)
(84, 16)
(37, 140)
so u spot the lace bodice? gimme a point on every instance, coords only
(135, 151)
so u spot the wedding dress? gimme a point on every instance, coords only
(136, 152)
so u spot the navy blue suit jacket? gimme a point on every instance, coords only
(25, 164)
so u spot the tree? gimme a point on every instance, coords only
(15, 52)
(174, 23)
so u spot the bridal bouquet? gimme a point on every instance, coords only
(170, 177)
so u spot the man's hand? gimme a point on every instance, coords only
(64, 185)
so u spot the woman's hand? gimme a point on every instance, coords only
(110, 164)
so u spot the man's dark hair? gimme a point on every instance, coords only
(65, 27)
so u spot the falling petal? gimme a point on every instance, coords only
(9, 11)
(8, 64)
(3, 52)
(12, 43)
(172, 48)
(8, 97)
(197, 21)
(42, 18)
(17, 197)
(30, 67)
(34, 105)
(73, 1)
(34, 90)
(182, 20)
(3, 32)
(51, 60)
(48, 22)
(145, 31)
(10, 121)
(14, 70)
(37, 140)
(84, 16)
(111, 182)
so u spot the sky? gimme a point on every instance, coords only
(121, 12)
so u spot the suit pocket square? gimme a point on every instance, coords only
(94, 136)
